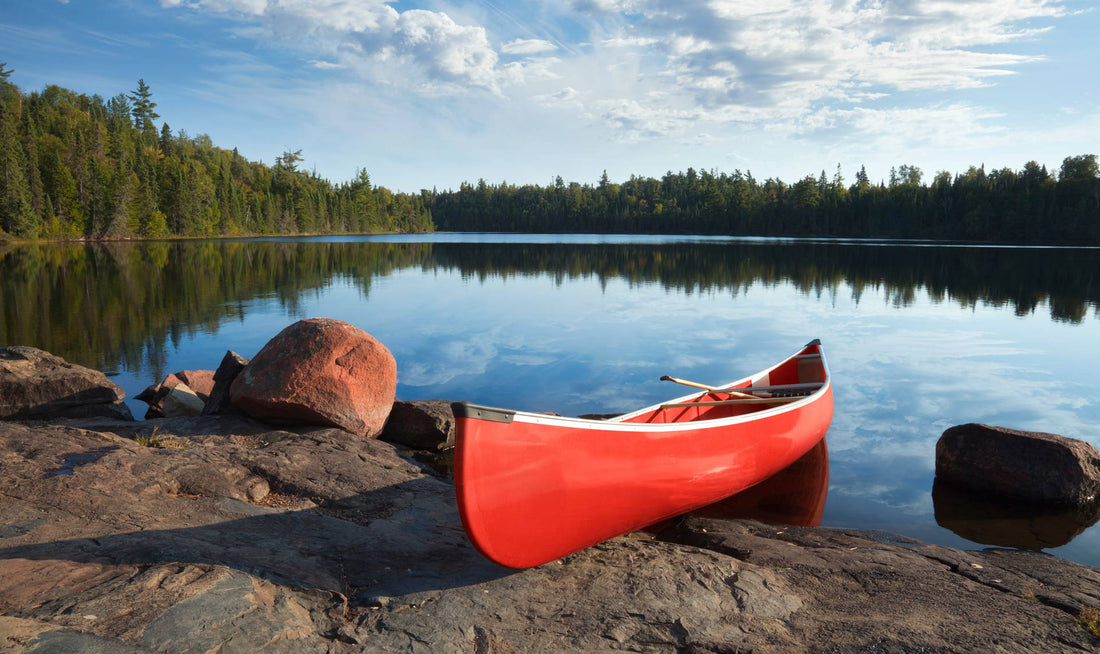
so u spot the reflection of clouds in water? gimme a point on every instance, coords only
(917, 383)
(528, 359)
(440, 361)
(900, 389)
(902, 483)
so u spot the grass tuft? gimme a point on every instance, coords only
(1090, 618)
(157, 441)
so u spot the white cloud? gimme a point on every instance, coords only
(527, 47)
(636, 119)
(650, 69)
(607, 6)
(414, 44)
(325, 65)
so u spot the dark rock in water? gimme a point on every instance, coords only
(322, 372)
(232, 364)
(35, 384)
(1010, 522)
(148, 394)
(421, 424)
(1030, 466)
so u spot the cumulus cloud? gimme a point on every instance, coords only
(648, 68)
(787, 60)
(362, 34)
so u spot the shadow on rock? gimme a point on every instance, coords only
(333, 548)
(363, 517)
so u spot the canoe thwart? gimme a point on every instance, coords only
(775, 387)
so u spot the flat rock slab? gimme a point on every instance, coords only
(159, 536)
(875, 591)
(35, 383)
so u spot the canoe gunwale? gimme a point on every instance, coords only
(477, 411)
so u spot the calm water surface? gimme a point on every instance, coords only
(920, 336)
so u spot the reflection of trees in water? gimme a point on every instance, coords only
(1022, 278)
(120, 304)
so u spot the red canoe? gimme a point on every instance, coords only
(533, 488)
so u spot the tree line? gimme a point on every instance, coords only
(74, 166)
(1031, 205)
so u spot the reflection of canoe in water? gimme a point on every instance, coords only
(793, 496)
(532, 488)
(1009, 523)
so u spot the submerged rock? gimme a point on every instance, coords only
(323, 372)
(35, 384)
(1030, 466)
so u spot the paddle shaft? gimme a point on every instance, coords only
(707, 388)
(753, 400)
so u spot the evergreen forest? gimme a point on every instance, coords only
(1032, 205)
(74, 166)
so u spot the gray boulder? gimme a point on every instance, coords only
(421, 424)
(232, 364)
(35, 384)
(1029, 466)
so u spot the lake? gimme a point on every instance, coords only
(919, 336)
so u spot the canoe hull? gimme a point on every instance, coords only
(533, 488)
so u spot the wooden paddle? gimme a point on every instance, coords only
(714, 389)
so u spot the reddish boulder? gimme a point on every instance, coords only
(320, 371)
(200, 381)
(194, 386)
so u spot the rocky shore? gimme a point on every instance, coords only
(224, 533)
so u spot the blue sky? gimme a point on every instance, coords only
(430, 93)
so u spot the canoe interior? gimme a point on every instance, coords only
(805, 368)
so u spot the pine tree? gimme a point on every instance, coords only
(143, 108)
(7, 89)
(16, 210)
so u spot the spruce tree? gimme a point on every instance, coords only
(143, 108)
